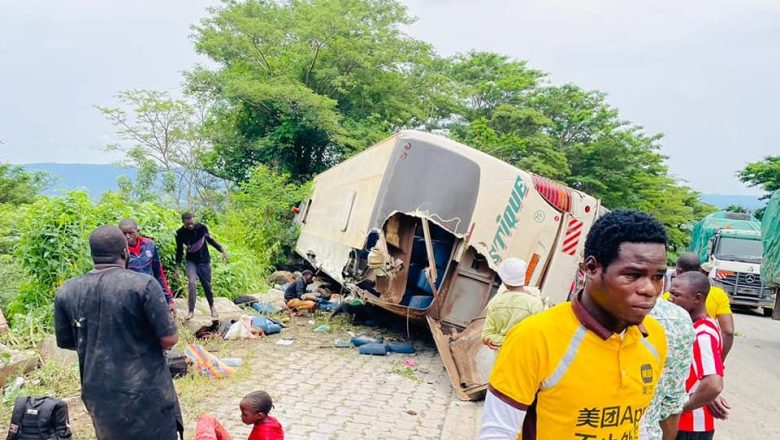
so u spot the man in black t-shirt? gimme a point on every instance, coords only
(196, 238)
(117, 321)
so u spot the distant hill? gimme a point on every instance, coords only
(99, 178)
(93, 178)
(722, 201)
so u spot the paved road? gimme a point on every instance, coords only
(328, 393)
(753, 381)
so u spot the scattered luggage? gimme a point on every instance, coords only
(177, 363)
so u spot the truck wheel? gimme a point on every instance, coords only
(767, 312)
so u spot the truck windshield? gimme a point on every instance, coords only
(739, 249)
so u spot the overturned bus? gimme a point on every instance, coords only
(418, 225)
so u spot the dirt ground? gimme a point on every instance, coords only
(753, 380)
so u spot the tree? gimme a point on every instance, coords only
(493, 112)
(737, 208)
(303, 84)
(18, 186)
(165, 143)
(568, 134)
(764, 173)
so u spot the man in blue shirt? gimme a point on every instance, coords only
(143, 256)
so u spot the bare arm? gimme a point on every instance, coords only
(669, 426)
(167, 342)
(726, 323)
(709, 388)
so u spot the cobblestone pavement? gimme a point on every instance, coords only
(330, 393)
(321, 392)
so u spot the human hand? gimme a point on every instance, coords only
(489, 344)
(720, 408)
(225, 257)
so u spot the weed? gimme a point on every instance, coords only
(407, 372)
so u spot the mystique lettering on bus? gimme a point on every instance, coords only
(507, 221)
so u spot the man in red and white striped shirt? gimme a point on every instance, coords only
(705, 380)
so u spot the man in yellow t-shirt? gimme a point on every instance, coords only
(718, 304)
(587, 369)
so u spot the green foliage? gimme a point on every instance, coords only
(260, 217)
(765, 173)
(29, 328)
(164, 140)
(53, 246)
(18, 186)
(568, 134)
(302, 84)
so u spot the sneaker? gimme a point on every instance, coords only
(189, 316)
(214, 313)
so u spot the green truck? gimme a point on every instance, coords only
(770, 230)
(730, 250)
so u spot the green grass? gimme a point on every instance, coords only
(407, 372)
(52, 379)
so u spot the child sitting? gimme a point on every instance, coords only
(254, 411)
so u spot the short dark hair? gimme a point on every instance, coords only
(615, 228)
(306, 272)
(106, 244)
(128, 223)
(689, 263)
(186, 215)
(697, 280)
(259, 401)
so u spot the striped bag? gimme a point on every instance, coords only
(206, 364)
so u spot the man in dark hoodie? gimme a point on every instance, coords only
(196, 237)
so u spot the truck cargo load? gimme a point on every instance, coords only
(419, 224)
(705, 230)
(770, 233)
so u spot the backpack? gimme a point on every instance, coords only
(177, 363)
(39, 418)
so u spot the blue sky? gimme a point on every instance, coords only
(701, 72)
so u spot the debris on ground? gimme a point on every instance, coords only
(359, 340)
(342, 343)
(401, 347)
(376, 349)
(281, 277)
(207, 364)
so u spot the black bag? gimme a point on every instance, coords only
(177, 363)
(39, 418)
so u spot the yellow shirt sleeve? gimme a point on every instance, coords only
(519, 368)
(717, 302)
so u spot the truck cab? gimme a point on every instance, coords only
(735, 266)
